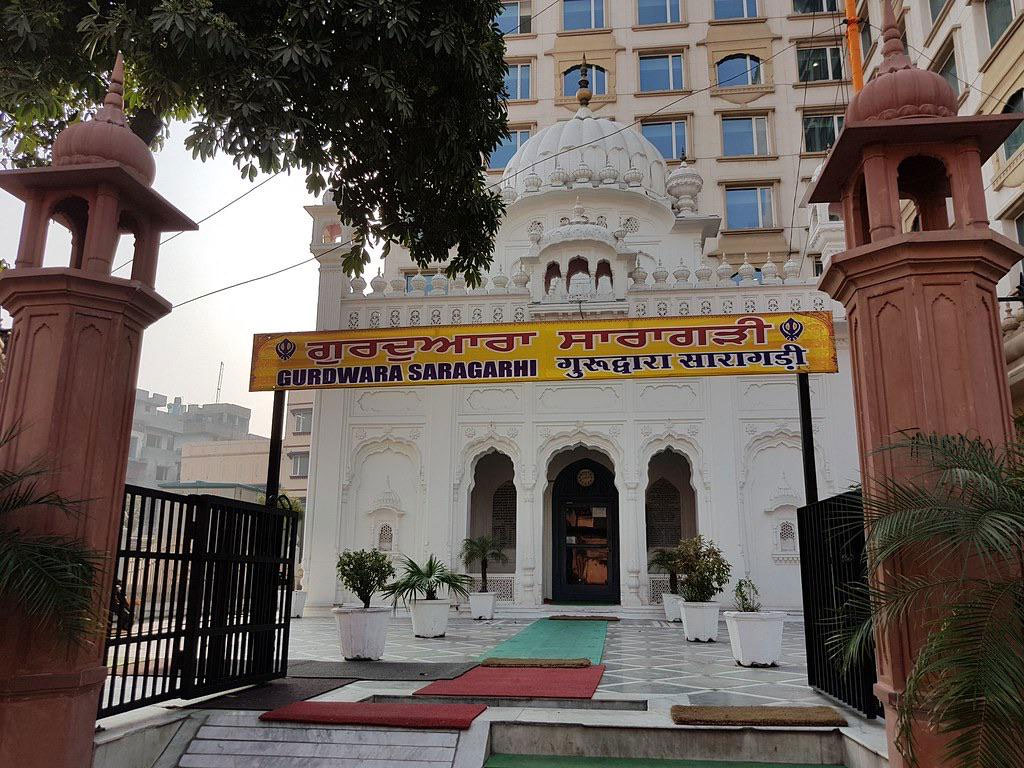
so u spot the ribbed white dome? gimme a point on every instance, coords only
(593, 150)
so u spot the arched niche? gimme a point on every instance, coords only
(492, 505)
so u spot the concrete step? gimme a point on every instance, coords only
(241, 740)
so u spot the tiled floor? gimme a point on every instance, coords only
(642, 658)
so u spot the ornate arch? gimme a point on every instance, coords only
(382, 444)
(578, 436)
(774, 438)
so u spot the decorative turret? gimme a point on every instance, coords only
(378, 284)
(683, 185)
(106, 137)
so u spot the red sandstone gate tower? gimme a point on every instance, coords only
(926, 347)
(69, 390)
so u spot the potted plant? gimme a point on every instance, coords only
(418, 587)
(755, 635)
(705, 572)
(484, 549)
(363, 630)
(667, 560)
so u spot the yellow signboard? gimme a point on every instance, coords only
(635, 347)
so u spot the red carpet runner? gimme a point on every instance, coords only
(520, 683)
(396, 715)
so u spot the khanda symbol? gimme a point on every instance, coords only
(792, 329)
(285, 348)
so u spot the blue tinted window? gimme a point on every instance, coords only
(506, 149)
(668, 137)
(598, 81)
(661, 73)
(582, 14)
(739, 70)
(657, 11)
(735, 9)
(508, 18)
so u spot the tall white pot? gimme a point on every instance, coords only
(481, 605)
(700, 621)
(298, 603)
(429, 617)
(670, 602)
(755, 637)
(362, 632)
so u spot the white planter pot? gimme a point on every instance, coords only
(298, 603)
(429, 617)
(362, 632)
(670, 602)
(481, 605)
(755, 637)
(700, 621)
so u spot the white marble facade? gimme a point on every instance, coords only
(603, 231)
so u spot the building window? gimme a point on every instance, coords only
(817, 64)
(661, 73)
(161, 474)
(503, 515)
(865, 29)
(948, 71)
(669, 137)
(735, 9)
(1018, 224)
(517, 82)
(998, 16)
(506, 149)
(743, 136)
(429, 286)
(514, 18)
(1014, 141)
(597, 76)
(300, 464)
(818, 265)
(582, 14)
(663, 511)
(815, 6)
(749, 207)
(658, 12)
(738, 70)
(936, 7)
(152, 441)
(820, 131)
(787, 537)
(385, 538)
(304, 421)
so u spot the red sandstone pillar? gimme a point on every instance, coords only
(927, 352)
(69, 390)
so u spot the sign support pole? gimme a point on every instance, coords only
(803, 384)
(276, 435)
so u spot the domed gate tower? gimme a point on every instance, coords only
(926, 345)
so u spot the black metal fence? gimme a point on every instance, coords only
(832, 566)
(201, 598)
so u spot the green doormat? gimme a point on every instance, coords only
(556, 761)
(546, 639)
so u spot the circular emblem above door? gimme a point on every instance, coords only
(585, 477)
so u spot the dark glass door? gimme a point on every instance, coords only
(584, 504)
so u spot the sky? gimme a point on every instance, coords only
(268, 229)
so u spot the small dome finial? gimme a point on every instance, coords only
(583, 92)
(115, 91)
(894, 55)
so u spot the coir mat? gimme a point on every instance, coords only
(395, 715)
(521, 683)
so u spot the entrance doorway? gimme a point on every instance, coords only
(585, 534)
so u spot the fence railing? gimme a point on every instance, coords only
(201, 597)
(832, 567)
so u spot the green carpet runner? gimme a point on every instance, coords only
(543, 761)
(546, 639)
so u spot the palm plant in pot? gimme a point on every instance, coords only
(705, 573)
(483, 549)
(362, 630)
(755, 635)
(418, 587)
(666, 560)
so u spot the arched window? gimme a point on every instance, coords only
(577, 265)
(604, 269)
(598, 80)
(787, 537)
(663, 509)
(550, 274)
(1014, 141)
(385, 538)
(503, 514)
(738, 70)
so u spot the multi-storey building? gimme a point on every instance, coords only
(160, 429)
(751, 92)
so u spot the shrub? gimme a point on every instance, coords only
(364, 571)
(424, 581)
(746, 596)
(704, 569)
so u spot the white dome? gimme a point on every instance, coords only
(594, 151)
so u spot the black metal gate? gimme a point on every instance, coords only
(201, 598)
(831, 566)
